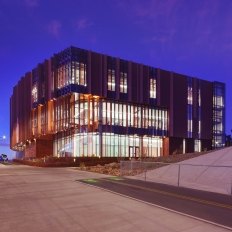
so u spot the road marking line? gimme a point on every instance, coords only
(158, 206)
(174, 195)
(90, 180)
(115, 178)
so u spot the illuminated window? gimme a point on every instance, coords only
(78, 73)
(82, 79)
(190, 128)
(190, 120)
(199, 127)
(123, 82)
(199, 97)
(197, 145)
(218, 101)
(152, 88)
(34, 93)
(63, 75)
(190, 95)
(111, 80)
(190, 107)
(218, 115)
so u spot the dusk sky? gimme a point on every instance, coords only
(192, 37)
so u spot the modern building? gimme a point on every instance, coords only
(82, 103)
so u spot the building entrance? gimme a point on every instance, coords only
(133, 152)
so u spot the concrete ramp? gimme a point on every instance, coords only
(210, 172)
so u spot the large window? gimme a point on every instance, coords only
(218, 115)
(197, 145)
(123, 82)
(34, 93)
(199, 112)
(112, 145)
(152, 88)
(190, 107)
(78, 73)
(35, 89)
(71, 73)
(118, 114)
(123, 76)
(89, 111)
(190, 94)
(111, 80)
(94, 124)
(90, 116)
(63, 75)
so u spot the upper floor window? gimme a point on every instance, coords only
(123, 82)
(199, 97)
(190, 95)
(111, 80)
(190, 91)
(63, 75)
(35, 89)
(152, 88)
(78, 73)
(34, 93)
(218, 101)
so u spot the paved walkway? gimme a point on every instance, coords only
(50, 199)
(193, 174)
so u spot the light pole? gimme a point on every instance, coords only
(3, 137)
(3, 141)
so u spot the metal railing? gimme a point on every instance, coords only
(214, 178)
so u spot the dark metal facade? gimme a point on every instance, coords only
(44, 102)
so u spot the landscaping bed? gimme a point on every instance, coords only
(104, 165)
(114, 168)
(67, 161)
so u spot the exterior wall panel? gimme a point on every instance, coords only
(144, 85)
(134, 75)
(163, 88)
(96, 74)
(207, 112)
(55, 114)
(179, 106)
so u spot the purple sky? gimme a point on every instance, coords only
(191, 37)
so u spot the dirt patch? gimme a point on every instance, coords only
(108, 169)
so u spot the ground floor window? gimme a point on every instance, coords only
(197, 145)
(108, 145)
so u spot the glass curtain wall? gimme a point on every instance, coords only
(123, 76)
(218, 114)
(93, 120)
(113, 145)
(190, 107)
(111, 74)
(71, 73)
(35, 87)
(199, 112)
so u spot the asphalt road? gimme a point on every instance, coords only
(55, 199)
(213, 207)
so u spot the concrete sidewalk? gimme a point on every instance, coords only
(49, 199)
